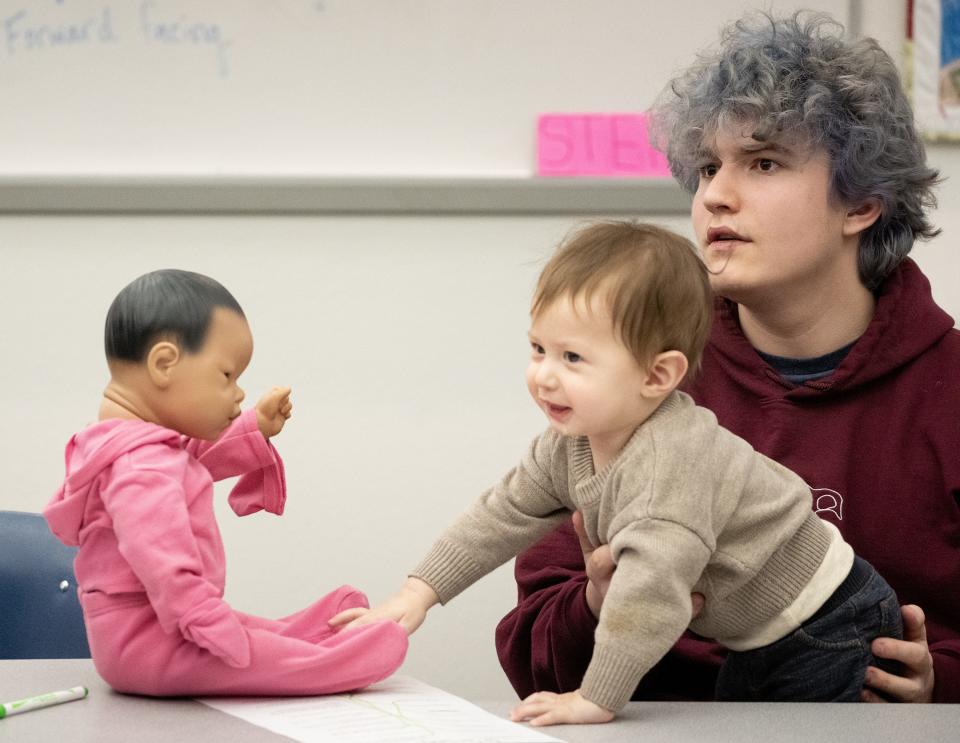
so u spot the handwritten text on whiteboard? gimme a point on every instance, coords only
(61, 26)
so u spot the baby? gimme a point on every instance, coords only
(138, 500)
(620, 316)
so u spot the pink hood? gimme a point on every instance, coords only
(89, 453)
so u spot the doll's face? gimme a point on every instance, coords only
(203, 396)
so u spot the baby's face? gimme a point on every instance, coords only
(204, 396)
(581, 374)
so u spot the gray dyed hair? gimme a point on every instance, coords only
(799, 77)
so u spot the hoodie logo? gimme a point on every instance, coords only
(826, 501)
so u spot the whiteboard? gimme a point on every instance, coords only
(330, 106)
(228, 91)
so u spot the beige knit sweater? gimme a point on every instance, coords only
(686, 506)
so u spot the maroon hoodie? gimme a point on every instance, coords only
(878, 441)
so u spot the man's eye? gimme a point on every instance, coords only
(571, 356)
(708, 171)
(766, 165)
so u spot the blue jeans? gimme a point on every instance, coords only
(826, 659)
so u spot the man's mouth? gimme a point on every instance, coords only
(720, 237)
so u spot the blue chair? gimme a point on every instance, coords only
(40, 613)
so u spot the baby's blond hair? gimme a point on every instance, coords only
(655, 286)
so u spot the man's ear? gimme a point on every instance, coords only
(162, 359)
(665, 373)
(859, 218)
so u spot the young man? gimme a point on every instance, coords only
(827, 354)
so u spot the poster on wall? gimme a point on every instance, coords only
(933, 64)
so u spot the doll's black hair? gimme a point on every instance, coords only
(169, 303)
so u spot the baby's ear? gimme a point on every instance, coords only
(162, 359)
(665, 373)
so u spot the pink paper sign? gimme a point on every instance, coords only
(609, 145)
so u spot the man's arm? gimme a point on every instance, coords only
(545, 643)
(946, 666)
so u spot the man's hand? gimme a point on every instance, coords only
(916, 683)
(273, 409)
(407, 607)
(547, 708)
(599, 565)
(600, 568)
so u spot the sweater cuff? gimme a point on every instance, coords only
(448, 570)
(946, 677)
(612, 677)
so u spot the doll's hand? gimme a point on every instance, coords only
(407, 607)
(547, 708)
(273, 409)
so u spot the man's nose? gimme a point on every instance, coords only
(720, 192)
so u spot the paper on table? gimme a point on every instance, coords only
(398, 709)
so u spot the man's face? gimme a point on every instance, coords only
(765, 222)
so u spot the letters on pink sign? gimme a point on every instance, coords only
(608, 145)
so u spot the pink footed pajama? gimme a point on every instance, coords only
(138, 500)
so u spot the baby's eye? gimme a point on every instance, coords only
(572, 357)
(537, 348)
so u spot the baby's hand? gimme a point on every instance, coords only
(273, 409)
(547, 708)
(407, 607)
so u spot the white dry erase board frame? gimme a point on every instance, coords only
(298, 106)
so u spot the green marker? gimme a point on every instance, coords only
(43, 700)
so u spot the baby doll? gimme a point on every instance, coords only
(138, 500)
